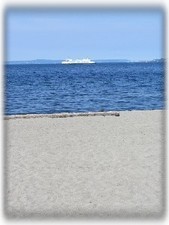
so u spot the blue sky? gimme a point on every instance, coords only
(97, 34)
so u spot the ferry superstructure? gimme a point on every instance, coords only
(78, 61)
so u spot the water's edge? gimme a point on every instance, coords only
(66, 115)
(61, 115)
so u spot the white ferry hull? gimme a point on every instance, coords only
(78, 61)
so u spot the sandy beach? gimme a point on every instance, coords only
(85, 165)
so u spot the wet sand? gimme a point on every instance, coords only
(85, 165)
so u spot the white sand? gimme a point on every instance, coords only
(86, 166)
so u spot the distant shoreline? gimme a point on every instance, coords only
(46, 62)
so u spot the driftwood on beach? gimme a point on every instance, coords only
(62, 115)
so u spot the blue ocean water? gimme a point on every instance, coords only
(56, 88)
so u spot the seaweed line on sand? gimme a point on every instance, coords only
(61, 115)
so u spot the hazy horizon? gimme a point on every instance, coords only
(41, 59)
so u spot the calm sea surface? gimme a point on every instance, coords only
(82, 88)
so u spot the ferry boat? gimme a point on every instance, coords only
(78, 61)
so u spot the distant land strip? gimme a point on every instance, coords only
(51, 61)
(61, 115)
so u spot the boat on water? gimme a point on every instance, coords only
(78, 61)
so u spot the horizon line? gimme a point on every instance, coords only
(24, 60)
